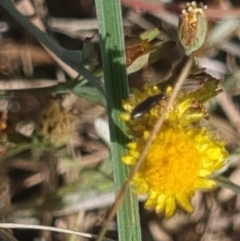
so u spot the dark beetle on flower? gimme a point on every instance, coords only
(200, 87)
(146, 105)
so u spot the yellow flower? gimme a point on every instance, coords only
(181, 158)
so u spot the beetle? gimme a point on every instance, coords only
(200, 86)
(146, 105)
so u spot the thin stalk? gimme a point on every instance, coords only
(116, 89)
(53, 229)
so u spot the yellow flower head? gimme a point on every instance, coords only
(182, 156)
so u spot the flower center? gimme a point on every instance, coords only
(172, 163)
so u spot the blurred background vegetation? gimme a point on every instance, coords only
(56, 167)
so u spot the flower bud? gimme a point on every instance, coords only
(192, 27)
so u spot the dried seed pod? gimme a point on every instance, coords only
(192, 27)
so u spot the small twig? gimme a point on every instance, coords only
(230, 109)
(26, 8)
(22, 84)
(72, 25)
(40, 227)
(231, 48)
(147, 6)
(155, 130)
(154, 7)
(136, 18)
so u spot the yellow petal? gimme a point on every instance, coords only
(129, 160)
(184, 202)
(170, 206)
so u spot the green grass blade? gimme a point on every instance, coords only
(116, 89)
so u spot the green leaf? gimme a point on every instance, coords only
(150, 34)
(116, 88)
(13, 151)
(225, 182)
(138, 63)
(160, 50)
(90, 93)
(89, 54)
